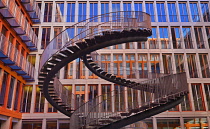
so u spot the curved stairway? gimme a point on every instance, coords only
(124, 27)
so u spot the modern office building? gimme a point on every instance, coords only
(180, 43)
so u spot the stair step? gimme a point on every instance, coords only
(99, 39)
(103, 73)
(53, 60)
(73, 48)
(108, 75)
(90, 42)
(113, 77)
(99, 70)
(66, 52)
(82, 45)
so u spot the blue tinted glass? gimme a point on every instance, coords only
(94, 11)
(194, 12)
(82, 12)
(150, 10)
(205, 12)
(138, 6)
(104, 10)
(115, 8)
(183, 12)
(70, 12)
(161, 12)
(172, 12)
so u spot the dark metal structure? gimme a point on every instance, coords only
(124, 26)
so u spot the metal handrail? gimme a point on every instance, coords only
(155, 91)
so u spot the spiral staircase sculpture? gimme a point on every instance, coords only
(96, 33)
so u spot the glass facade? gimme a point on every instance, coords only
(180, 42)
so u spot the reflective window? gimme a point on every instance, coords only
(105, 62)
(129, 45)
(179, 62)
(127, 8)
(48, 12)
(132, 98)
(82, 12)
(45, 37)
(80, 69)
(59, 12)
(138, 6)
(187, 37)
(3, 88)
(58, 43)
(119, 97)
(118, 65)
(70, 12)
(172, 12)
(204, 65)
(198, 97)
(33, 124)
(130, 66)
(51, 124)
(176, 40)
(17, 98)
(183, 12)
(155, 63)
(192, 66)
(164, 38)
(195, 123)
(150, 10)
(207, 92)
(161, 12)
(167, 66)
(92, 92)
(26, 98)
(208, 35)
(39, 101)
(11, 90)
(115, 8)
(142, 66)
(104, 10)
(94, 11)
(68, 71)
(141, 45)
(106, 98)
(194, 12)
(168, 123)
(205, 12)
(186, 104)
(199, 37)
(152, 40)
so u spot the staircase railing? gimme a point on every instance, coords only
(151, 93)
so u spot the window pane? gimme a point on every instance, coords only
(48, 12)
(197, 97)
(172, 12)
(168, 123)
(204, 65)
(152, 40)
(195, 123)
(183, 12)
(70, 12)
(164, 38)
(82, 12)
(161, 12)
(10, 95)
(3, 88)
(208, 35)
(205, 12)
(176, 41)
(45, 37)
(104, 10)
(192, 66)
(194, 12)
(39, 101)
(94, 11)
(179, 62)
(26, 99)
(167, 63)
(142, 66)
(187, 37)
(150, 10)
(199, 37)
(59, 12)
(207, 92)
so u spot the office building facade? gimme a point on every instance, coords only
(180, 43)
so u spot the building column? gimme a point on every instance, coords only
(7, 124)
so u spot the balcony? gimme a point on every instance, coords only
(13, 58)
(11, 12)
(33, 10)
